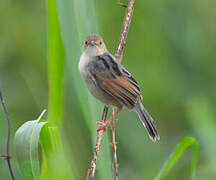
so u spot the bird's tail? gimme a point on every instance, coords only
(147, 121)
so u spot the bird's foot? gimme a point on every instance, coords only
(102, 126)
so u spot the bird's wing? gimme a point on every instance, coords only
(115, 80)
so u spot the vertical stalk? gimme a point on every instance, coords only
(56, 65)
(7, 156)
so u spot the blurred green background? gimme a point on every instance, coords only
(170, 51)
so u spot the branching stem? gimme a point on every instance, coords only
(7, 156)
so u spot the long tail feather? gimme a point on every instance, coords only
(147, 121)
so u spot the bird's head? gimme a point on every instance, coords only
(94, 45)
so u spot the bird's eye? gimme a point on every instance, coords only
(86, 42)
(100, 42)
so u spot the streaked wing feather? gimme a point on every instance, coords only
(115, 80)
(118, 93)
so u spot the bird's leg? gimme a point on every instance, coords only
(103, 125)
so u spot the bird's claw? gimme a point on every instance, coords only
(101, 126)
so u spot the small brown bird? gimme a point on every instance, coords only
(111, 83)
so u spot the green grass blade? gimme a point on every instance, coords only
(185, 143)
(202, 118)
(26, 147)
(77, 20)
(56, 65)
(55, 162)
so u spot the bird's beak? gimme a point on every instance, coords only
(92, 43)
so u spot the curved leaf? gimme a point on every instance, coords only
(185, 143)
(26, 148)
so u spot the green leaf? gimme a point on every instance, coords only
(56, 65)
(201, 115)
(55, 165)
(185, 143)
(26, 148)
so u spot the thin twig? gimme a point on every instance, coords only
(122, 4)
(114, 146)
(7, 156)
(119, 54)
(3, 156)
(125, 29)
(92, 169)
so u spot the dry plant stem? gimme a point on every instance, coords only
(125, 29)
(114, 146)
(7, 156)
(119, 54)
(92, 169)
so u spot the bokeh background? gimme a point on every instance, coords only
(170, 51)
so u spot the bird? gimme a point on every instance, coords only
(109, 82)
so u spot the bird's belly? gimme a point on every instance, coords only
(98, 93)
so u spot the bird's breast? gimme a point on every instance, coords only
(83, 62)
(86, 74)
(92, 83)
